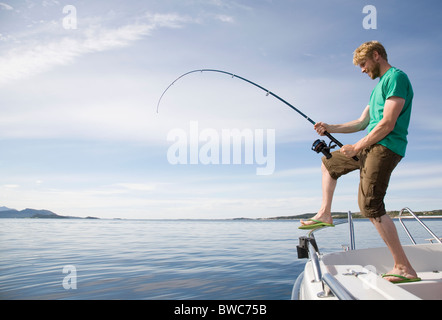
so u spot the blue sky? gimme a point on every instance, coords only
(79, 132)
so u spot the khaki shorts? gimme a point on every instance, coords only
(376, 163)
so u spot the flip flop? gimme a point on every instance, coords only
(317, 224)
(403, 279)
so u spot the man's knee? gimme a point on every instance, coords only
(371, 207)
(338, 165)
(325, 171)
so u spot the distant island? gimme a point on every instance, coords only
(46, 214)
(34, 214)
(358, 215)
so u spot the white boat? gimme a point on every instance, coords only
(356, 274)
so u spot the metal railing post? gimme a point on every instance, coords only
(315, 262)
(420, 221)
(352, 231)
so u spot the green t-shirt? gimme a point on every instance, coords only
(394, 83)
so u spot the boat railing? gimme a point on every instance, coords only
(421, 223)
(351, 231)
(308, 249)
(336, 287)
(313, 254)
(313, 251)
(329, 283)
(331, 286)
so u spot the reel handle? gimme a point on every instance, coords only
(338, 143)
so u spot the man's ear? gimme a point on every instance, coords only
(376, 56)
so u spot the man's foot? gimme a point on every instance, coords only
(322, 218)
(399, 275)
(316, 225)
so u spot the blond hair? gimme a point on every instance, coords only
(365, 51)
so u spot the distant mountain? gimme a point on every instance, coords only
(28, 213)
(33, 213)
(5, 209)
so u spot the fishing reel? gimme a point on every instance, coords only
(321, 146)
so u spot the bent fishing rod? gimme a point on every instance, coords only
(318, 146)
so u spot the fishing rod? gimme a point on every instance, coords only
(318, 146)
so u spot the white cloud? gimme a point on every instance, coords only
(224, 18)
(414, 176)
(11, 186)
(5, 6)
(413, 170)
(50, 3)
(35, 57)
(135, 186)
(169, 20)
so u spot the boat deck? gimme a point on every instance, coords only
(357, 274)
(430, 288)
(360, 272)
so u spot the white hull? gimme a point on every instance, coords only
(359, 273)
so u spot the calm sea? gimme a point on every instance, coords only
(168, 259)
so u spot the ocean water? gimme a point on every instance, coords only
(164, 259)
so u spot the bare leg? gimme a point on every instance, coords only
(328, 189)
(388, 232)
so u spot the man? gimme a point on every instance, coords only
(386, 119)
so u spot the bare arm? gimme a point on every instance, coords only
(349, 127)
(392, 109)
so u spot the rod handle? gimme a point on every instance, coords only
(338, 143)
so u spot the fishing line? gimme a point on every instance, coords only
(318, 145)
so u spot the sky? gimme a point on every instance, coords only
(80, 134)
